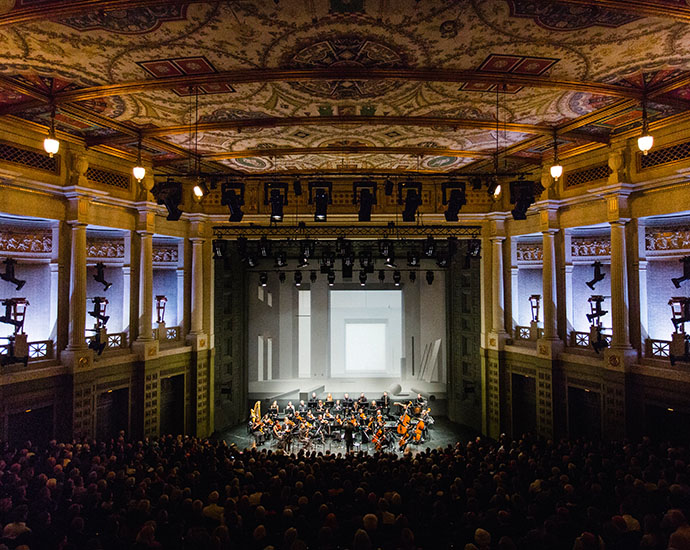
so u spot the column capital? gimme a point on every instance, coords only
(75, 224)
(550, 231)
(619, 221)
(497, 238)
(144, 233)
(195, 240)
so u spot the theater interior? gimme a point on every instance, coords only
(481, 208)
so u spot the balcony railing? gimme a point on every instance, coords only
(172, 334)
(660, 349)
(524, 334)
(38, 351)
(581, 339)
(116, 340)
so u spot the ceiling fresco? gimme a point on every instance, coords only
(294, 76)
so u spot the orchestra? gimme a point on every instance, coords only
(319, 422)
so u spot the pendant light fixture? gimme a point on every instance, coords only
(556, 168)
(51, 144)
(646, 141)
(139, 171)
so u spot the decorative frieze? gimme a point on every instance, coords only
(105, 248)
(667, 238)
(590, 246)
(27, 242)
(529, 252)
(166, 254)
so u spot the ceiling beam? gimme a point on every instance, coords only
(58, 9)
(354, 120)
(24, 89)
(251, 76)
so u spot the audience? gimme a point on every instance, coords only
(187, 493)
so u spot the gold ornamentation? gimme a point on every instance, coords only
(105, 248)
(83, 362)
(667, 238)
(35, 242)
(590, 246)
(529, 252)
(165, 253)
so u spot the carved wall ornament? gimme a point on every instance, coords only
(667, 238)
(590, 246)
(29, 242)
(529, 252)
(165, 253)
(105, 248)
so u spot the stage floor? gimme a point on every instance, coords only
(442, 433)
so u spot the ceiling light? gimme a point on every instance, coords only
(276, 195)
(276, 202)
(306, 252)
(200, 189)
(429, 277)
(646, 141)
(556, 168)
(347, 264)
(139, 171)
(263, 278)
(298, 278)
(386, 250)
(362, 278)
(396, 278)
(51, 144)
(321, 194)
(364, 194)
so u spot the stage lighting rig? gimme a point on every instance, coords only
(298, 278)
(331, 278)
(366, 262)
(598, 275)
(676, 280)
(429, 277)
(327, 260)
(280, 259)
(396, 278)
(321, 195)
(99, 277)
(362, 278)
(306, 248)
(413, 198)
(456, 200)
(263, 278)
(387, 252)
(229, 197)
(264, 247)
(220, 248)
(9, 274)
(413, 258)
(276, 194)
(347, 265)
(523, 193)
(429, 247)
(364, 194)
(169, 194)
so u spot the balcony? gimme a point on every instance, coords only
(581, 339)
(40, 350)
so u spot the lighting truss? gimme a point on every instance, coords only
(328, 232)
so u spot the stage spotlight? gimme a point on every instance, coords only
(364, 194)
(281, 259)
(429, 247)
(306, 252)
(281, 277)
(276, 202)
(494, 189)
(456, 201)
(169, 194)
(442, 260)
(331, 278)
(312, 277)
(365, 260)
(234, 202)
(382, 275)
(264, 247)
(523, 194)
(388, 253)
(297, 187)
(251, 260)
(347, 264)
(242, 248)
(327, 260)
(321, 194)
(263, 278)
(429, 277)
(219, 248)
(341, 246)
(298, 278)
(362, 278)
(412, 202)
(412, 258)
(396, 278)
(476, 183)
(413, 276)
(388, 187)
(474, 248)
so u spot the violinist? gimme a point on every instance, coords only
(374, 406)
(329, 401)
(347, 402)
(302, 406)
(362, 401)
(319, 407)
(278, 431)
(337, 408)
(289, 409)
(274, 410)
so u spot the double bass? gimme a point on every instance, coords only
(403, 423)
(418, 431)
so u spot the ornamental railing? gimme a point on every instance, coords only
(524, 334)
(172, 334)
(38, 351)
(660, 349)
(116, 340)
(581, 339)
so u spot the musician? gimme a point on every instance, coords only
(319, 407)
(274, 410)
(302, 406)
(312, 401)
(258, 432)
(329, 401)
(289, 409)
(374, 406)
(362, 401)
(349, 435)
(420, 400)
(347, 402)
(337, 408)
(385, 403)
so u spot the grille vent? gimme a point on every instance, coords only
(595, 173)
(106, 177)
(30, 157)
(664, 155)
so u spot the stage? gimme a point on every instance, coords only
(441, 434)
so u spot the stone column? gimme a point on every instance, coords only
(497, 294)
(180, 300)
(549, 284)
(77, 294)
(197, 316)
(619, 287)
(145, 286)
(514, 274)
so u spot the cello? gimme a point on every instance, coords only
(418, 431)
(403, 423)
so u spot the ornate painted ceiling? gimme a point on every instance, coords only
(259, 85)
